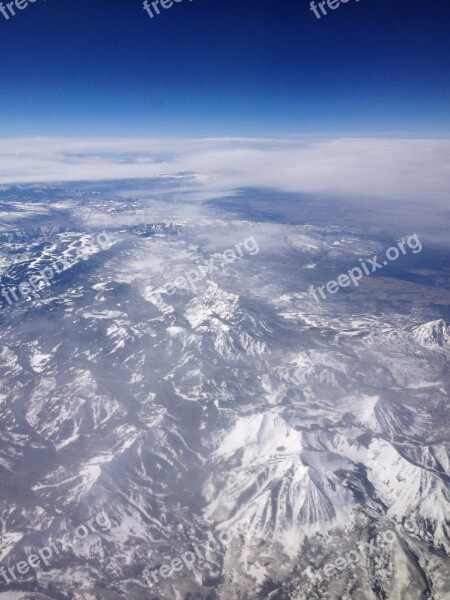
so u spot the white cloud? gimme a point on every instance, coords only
(388, 169)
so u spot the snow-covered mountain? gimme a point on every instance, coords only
(433, 335)
(300, 429)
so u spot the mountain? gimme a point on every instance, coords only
(237, 406)
(433, 335)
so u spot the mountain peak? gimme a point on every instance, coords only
(434, 335)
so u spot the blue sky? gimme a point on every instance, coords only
(225, 68)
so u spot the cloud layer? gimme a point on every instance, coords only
(389, 169)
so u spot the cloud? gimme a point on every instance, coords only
(393, 170)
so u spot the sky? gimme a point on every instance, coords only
(225, 68)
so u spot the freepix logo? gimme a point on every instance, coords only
(190, 278)
(17, 4)
(159, 3)
(47, 552)
(187, 560)
(354, 275)
(352, 558)
(36, 283)
(332, 4)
